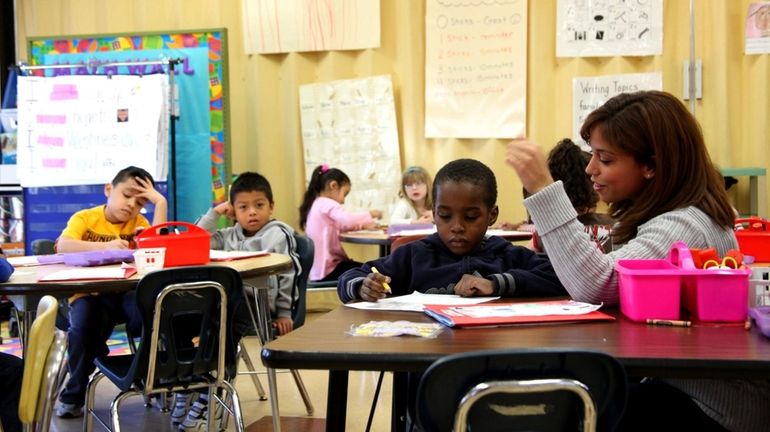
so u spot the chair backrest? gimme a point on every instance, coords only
(44, 356)
(305, 250)
(400, 241)
(186, 317)
(522, 390)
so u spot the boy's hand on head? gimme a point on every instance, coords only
(225, 209)
(116, 244)
(530, 164)
(372, 289)
(283, 325)
(145, 189)
(471, 286)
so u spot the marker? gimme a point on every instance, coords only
(672, 323)
(384, 284)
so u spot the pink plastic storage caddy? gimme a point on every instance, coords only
(653, 288)
(754, 238)
(186, 244)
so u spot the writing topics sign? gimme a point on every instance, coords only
(589, 93)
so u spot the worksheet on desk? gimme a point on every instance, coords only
(416, 301)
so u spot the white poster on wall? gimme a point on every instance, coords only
(351, 125)
(475, 69)
(609, 28)
(589, 93)
(77, 130)
(758, 28)
(300, 25)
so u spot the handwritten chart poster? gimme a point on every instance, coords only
(475, 68)
(587, 28)
(76, 130)
(281, 26)
(758, 28)
(351, 125)
(589, 93)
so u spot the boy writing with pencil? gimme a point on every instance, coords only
(93, 317)
(460, 258)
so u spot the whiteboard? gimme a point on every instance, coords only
(78, 130)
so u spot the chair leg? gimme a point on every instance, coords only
(88, 422)
(252, 371)
(303, 391)
(272, 385)
(235, 406)
(115, 409)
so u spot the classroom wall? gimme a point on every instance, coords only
(264, 117)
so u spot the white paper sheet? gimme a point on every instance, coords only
(414, 302)
(219, 255)
(87, 274)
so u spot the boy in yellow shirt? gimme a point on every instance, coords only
(93, 317)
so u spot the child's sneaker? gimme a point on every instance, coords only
(65, 410)
(196, 418)
(181, 404)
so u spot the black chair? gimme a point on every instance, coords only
(522, 390)
(186, 341)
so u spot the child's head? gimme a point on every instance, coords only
(649, 157)
(329, 182)
(415, 186)
(567, 162)
(123, 202)
(252, 199)
(465, 196)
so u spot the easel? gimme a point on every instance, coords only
(172, 102)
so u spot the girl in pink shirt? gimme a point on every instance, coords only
(323, 218)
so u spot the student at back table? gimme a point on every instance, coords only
(460, 258)
(92, 317)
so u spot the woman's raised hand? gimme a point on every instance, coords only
(530, 164)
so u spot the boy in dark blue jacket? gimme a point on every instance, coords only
(460, 258)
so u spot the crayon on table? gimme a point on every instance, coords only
(672, 323)
(384, 284)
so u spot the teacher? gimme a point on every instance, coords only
(650, 164)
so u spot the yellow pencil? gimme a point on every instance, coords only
(384, 284)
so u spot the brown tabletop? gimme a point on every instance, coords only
(706, 351)
(25, 290)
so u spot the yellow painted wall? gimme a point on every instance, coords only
(263, 89)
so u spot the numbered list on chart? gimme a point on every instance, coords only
(475, 69)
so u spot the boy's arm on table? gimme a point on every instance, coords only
(396, 266)
(279, 240)
(530, 276)
(75, 229)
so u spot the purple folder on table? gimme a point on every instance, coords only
(90, 258)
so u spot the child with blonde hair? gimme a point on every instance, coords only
(416, 204)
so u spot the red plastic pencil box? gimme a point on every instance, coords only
(186, 244)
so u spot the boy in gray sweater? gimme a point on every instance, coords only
(251, 205)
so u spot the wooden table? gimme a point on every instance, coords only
(383, 240)
(710, 351)
(25, 290)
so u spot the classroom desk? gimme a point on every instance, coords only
(712, 351)
(383, 240)
(25, 291)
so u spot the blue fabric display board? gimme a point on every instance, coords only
(47, 209)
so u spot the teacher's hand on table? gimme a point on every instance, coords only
(372, 289)
(530, 164)
(471, 286)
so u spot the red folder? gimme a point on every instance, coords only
(486, 314)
